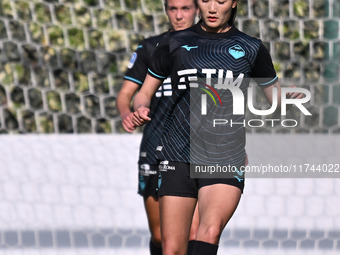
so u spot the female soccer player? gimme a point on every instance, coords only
(181, 14)
(215, 58)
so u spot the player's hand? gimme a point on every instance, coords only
(140, 116)
(127, 122)
(295, 95)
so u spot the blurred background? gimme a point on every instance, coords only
(62, 61)
(61, 68)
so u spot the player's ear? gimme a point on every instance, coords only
(234, 3)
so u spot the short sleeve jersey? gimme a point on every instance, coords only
(210, 75)
(136, 72)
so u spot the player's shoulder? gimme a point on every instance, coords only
(180, 34)
(181, 37)
(245, 38)
(154, 40)
(250, 45)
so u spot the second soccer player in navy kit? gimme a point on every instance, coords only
(181, 14)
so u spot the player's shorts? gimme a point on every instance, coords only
(148, 180)
(174, 180)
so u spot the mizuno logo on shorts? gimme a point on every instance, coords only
(240, 174)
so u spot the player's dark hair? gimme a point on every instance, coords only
(166, 4)
(231, 21)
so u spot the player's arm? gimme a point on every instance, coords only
(158, 71)
(269, 94)
(265, 75)
(124, 98)
(133, 79)
(143, 98)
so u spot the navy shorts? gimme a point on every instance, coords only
(148, 180)
(175, 180)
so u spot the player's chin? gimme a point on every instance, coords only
(179, 27)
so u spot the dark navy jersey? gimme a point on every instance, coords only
(210, 75)
(136, 72)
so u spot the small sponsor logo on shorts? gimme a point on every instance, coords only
(143, 154)
(164, 166)
(159, 148)
(145, 167)
(145, 170)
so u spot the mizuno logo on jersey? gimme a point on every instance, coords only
(237, 52)
(188, 48)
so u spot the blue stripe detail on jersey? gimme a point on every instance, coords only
(133, 79)
(269, 82)
(139, 46)
(159, 76)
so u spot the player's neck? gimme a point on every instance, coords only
(221, 29)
